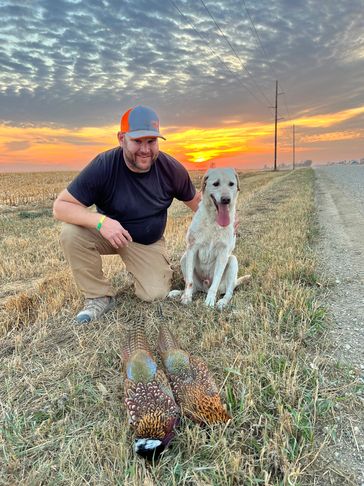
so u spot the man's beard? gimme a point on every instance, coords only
(137, 166)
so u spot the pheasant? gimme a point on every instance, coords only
(193, 387)
(149, 400)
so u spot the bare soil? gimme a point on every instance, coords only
(340, 203)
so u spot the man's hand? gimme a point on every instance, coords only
(68, 209)
(112, 231)
(193, 204)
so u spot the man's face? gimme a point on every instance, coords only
(139, 153)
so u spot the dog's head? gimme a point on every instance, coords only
(219, 191)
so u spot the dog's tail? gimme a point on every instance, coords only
(242, 280)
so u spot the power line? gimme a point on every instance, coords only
(256, 34)
(260, 44)
(211, 49)
(276, 118)
(235, 53)
(286, 106)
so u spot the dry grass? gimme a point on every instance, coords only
(61, 386)
(37, 189)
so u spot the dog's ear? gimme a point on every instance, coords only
(237, 180)
(204, 182)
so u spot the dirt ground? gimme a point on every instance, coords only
(340, 203)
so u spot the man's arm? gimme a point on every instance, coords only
(68, 209)
(193, 204)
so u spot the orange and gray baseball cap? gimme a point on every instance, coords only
(140, 121)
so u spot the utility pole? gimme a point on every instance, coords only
(275, 126)
(294, 149)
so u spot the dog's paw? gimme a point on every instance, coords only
(186, 299)
(173, 294)
(210, 301)
(221, 304)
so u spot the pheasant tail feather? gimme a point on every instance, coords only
(135, 340)
(166, 340)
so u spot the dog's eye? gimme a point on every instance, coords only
(231, 184)
(216, 184)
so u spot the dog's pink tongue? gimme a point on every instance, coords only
(223, 218)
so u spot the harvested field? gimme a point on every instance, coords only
(63, 418)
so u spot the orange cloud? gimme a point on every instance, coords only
(327, 120)
(47, 145)
(332, 137)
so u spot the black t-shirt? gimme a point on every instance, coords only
(139, 201)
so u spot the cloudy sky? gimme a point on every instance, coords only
(70, 68)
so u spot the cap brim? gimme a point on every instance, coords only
(144, 133)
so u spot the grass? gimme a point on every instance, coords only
(63, 418)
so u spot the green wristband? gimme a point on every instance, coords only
(99, 224)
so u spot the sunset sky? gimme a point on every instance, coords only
(70, 68)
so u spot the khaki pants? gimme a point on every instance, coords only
(148, 264)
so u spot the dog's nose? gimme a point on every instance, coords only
(225, 200)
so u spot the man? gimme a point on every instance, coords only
(132, 187)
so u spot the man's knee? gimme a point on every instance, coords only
(71, 235)
(152, 293)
